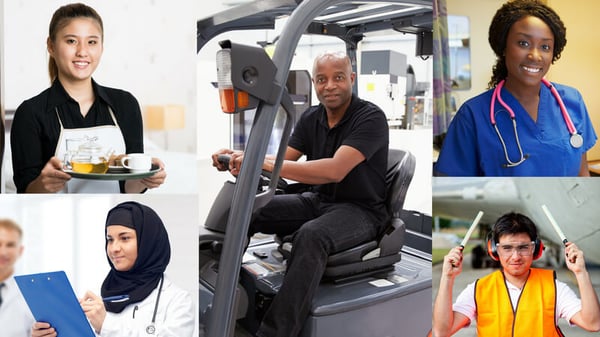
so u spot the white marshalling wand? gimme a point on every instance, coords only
(471, 229)
(469, 232)
(557, 229)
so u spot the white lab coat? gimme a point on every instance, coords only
(16, 319)
(175, 316)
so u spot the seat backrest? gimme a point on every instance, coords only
(401, 168)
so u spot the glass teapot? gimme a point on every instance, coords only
(89, 157)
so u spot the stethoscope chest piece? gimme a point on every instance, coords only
(576, 140)
(150, 329)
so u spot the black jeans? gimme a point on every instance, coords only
(320, 230)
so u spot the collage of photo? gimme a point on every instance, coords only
(298, 168)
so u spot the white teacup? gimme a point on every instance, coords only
(137, 162)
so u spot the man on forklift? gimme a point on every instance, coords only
(345, 140)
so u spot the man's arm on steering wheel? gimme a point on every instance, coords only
(321, 171)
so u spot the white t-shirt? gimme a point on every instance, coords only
(567, 302)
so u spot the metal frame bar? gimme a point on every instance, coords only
(222, 315)
(267, 11)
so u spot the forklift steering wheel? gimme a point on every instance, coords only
(265, 176)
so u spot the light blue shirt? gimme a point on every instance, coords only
(472, 147)
(16, 319)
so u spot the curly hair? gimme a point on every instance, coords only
(512, 12)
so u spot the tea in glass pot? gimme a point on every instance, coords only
(90, 158)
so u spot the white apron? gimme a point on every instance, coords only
(109, 136)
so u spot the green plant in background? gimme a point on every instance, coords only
(439, 253)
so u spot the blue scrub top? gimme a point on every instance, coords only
(472, 146)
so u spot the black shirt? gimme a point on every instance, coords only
(35, 129)
(363, 127)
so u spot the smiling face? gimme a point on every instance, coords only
(121, 246)
(529, 52)
(77, 49)
(333, 79)
(514, 263)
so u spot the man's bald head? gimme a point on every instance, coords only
(332, 56)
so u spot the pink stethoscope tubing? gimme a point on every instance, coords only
(576, 140)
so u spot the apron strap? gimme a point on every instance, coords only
(112, 115)
(59, 120)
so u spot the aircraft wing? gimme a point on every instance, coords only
(573, 202)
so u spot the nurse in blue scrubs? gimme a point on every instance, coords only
(524, 125)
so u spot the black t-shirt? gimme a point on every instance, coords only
(35, 129)
(363, 127)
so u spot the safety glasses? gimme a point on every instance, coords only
(525, 249)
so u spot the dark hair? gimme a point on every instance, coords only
(514, 223)
(512, 12)
(63, 17)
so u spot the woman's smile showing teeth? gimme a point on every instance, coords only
(532, 70)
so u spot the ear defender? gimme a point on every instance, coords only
(491, 247)
(538, 248)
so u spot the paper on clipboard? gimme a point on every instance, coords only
(51, 299)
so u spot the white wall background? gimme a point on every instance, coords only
(149, 50)
(66, 232)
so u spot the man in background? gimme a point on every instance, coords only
(15, 317)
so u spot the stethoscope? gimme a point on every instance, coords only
(151, 328)
(576, 139)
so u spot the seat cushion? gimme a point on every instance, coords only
(352, 255)
(361, 267)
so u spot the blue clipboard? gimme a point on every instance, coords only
(51, 299)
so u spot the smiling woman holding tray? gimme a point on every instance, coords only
(75, 107)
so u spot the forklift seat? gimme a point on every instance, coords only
(383, 251)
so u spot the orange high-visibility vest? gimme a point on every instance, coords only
(535, 313)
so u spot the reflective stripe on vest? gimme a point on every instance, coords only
(535, 313)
